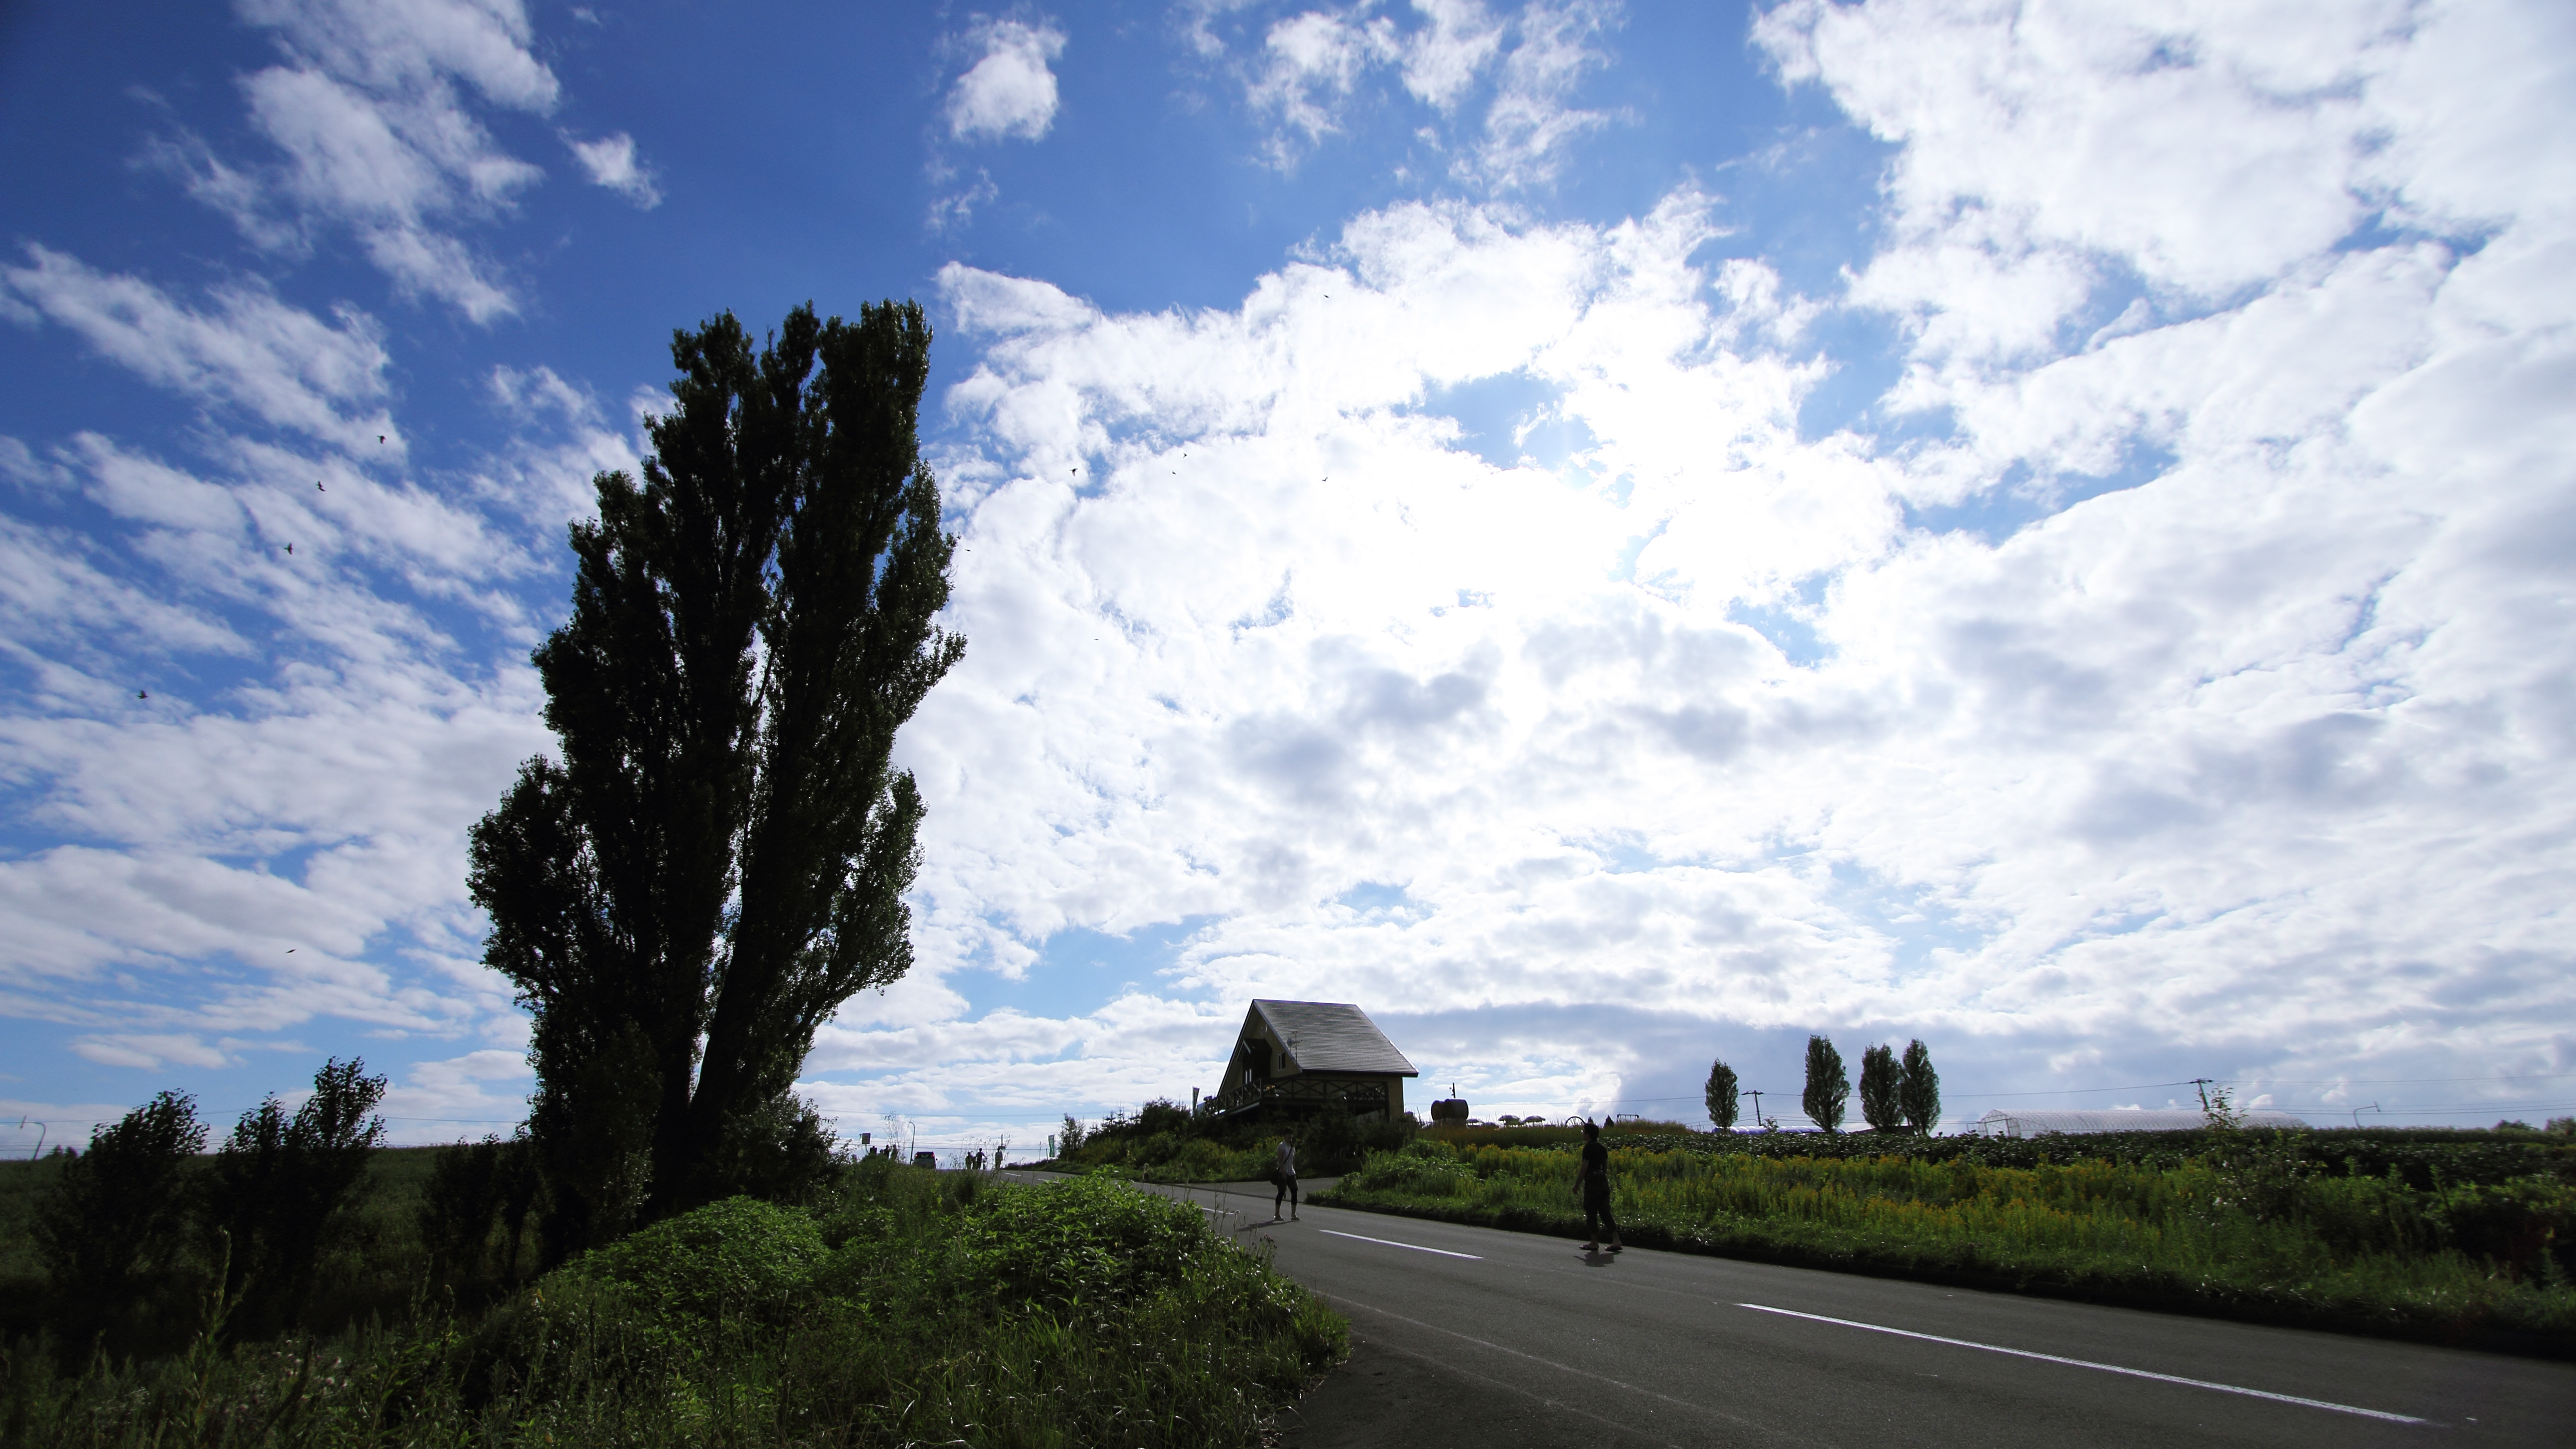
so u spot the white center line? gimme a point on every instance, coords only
(1417, 1247)
(2108, 1368)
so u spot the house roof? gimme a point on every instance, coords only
(1331, 1036)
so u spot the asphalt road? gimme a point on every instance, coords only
(1482, 1338)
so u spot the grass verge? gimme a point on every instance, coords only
(2249, 1238)
(910, 1308)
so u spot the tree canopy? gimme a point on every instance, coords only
(1827, 1088)
(717, 858)
(1722, 1100)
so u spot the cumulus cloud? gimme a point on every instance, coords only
(1008, 93)
(2208, 746)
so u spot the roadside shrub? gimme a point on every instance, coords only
(2522, 1227)
(1424, 1168)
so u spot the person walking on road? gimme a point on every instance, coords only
(1592, 1184)
(1285, 1175)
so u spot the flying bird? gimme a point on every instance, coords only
(143, 694)
(318, 488)
(290, 548)
(290, 950)
(380, 437)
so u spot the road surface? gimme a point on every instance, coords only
(1477, 1337)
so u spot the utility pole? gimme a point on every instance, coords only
(2203, 1084)
(1757, 1107)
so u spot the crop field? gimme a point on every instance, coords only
(2246, 1227)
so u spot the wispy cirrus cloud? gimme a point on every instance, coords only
(1308, 72)
(248, 351)
(371, 112)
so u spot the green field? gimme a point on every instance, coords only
(905, 1307)
(2247, 1225)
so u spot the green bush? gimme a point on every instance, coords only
(904, 1308)
(740, 1257)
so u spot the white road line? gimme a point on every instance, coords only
(1710, 1410)
(2108, 1368)
(1417, 1247)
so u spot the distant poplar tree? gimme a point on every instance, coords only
(1827, 1088)
(1721, 1096)
(1881, 1089)
(1918, 1092)
(719, 859)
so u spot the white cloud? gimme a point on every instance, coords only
(256, 764)
(1311, 71)
(1008, 93)
(377, 136)
(1309, 66)
(393, 45)
(610, 162)
(1443, 60)
(279, 364)
(2214, 763)
(1531, 121)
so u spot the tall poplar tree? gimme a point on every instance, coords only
(1880, 1083)
(1918, 1089)
(1827, 1088)
(718, 858)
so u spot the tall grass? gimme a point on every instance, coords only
(911, 1308)
(2246, 1235)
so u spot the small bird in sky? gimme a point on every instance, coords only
(290, 548)
(290, 950)
(380, 437)
(318, 488)
(143, 694)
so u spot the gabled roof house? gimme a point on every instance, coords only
(1304, 1056)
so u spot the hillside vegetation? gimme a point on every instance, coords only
(1165, 1142)
(901, 1307)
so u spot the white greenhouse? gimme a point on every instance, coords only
(2000, 1123)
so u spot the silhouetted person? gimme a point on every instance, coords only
(1285, 1175)
(1592, 1182)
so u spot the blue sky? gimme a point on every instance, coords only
(1610, 534)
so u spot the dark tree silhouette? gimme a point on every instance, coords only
(118, 1213)
(719, 859)
(283, 1187)
(1919, 1093)
(1827, 1088)
(1881, 1084)
(1721, 1096)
